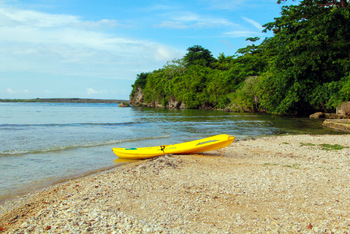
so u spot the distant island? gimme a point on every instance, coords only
(66, 100)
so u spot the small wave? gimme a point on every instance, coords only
(71, 147)
(16, 126)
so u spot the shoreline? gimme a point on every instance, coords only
(26, 191)
(275, 183)
(65, 100)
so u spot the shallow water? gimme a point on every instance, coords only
(42, 143)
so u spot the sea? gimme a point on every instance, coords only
(45, 143)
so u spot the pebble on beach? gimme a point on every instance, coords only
(269, 184)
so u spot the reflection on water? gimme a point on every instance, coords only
(242, 125)
(41, 143)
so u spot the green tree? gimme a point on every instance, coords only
(197, 55)
(250, 49)
(140, 83)
(309, 57)
(246, 97)
(141, 80)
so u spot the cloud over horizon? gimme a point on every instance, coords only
(34, 39)
(64, 48)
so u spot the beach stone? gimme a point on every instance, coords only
(25, 225)
(277, 183)
(124, 104)
(317, 115)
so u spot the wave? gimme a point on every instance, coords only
(71, 147)
(15, 126)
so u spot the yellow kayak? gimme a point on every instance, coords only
(191, 147)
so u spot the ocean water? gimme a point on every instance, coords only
(43, 143)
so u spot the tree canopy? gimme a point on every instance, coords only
(303, 67)
(197, 55)
(310, 54)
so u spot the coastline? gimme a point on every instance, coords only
(17, 197)
(65, 100)
(294, 183)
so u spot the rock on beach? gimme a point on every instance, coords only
(296, 183)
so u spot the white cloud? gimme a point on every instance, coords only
(254, 23)
(91, 91)
(67, 45)
(162, 53)
(12, 91)
(244, 31)
(185, 20)
(242, 34)
(17, 17)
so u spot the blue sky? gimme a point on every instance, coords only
(96, 48)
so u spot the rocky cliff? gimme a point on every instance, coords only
(137, 98)
(344, 109)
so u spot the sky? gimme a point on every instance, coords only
(96, 48)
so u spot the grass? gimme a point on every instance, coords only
(332, 147)
(326, 146)
(296, 166)
(269, 164)
(306, 144)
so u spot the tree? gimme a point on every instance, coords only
(141, 80)
(140, 83)
(250, 48)
(341, 3)
(197, 55)
(310, 54)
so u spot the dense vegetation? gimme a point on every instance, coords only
(304, 67)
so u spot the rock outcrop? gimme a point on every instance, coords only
(138, 99)
(338, 124)
(344, 109)
(343, 112)
(320, 115)
(174, 104)
(317, 115)
(124, 104)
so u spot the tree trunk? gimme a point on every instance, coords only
(323, 107)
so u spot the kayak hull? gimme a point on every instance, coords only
(191, 147)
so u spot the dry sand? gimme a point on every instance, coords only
(270, 184)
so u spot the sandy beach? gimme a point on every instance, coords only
(294, 183)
